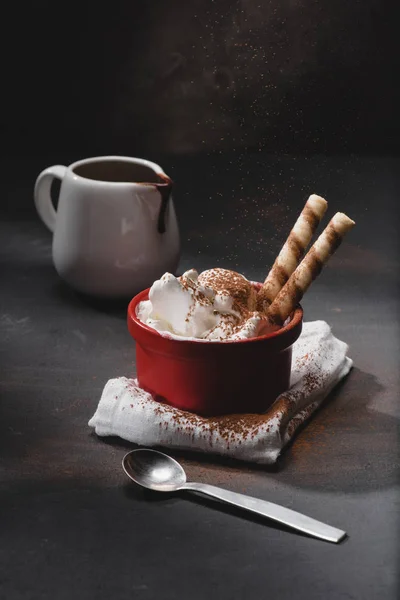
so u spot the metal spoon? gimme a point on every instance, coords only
(157, 471)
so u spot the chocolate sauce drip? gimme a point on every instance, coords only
(165, 191)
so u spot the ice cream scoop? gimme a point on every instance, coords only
(216, 305)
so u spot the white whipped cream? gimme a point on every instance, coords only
(213, 306)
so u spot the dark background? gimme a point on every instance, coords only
(178, 77)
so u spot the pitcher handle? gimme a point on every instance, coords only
(43, 203)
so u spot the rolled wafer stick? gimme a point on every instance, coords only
(309, 268)
(294, 247)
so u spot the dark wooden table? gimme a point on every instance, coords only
(72, 525)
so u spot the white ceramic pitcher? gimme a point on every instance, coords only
(115, 228)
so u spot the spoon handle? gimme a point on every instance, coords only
(275, 512)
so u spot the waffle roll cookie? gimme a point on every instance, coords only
(309, 268)
(294, 247)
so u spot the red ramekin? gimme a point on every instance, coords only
(214, 378)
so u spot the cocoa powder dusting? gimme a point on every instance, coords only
(229, 283)
(224, 283)
(235, 428)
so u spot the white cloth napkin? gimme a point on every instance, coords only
(319, 362)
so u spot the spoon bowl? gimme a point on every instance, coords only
(154, 470)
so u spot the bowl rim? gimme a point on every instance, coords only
(295, 321)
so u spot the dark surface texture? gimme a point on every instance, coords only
(72, 525)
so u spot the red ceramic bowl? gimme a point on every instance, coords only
(213, 378)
